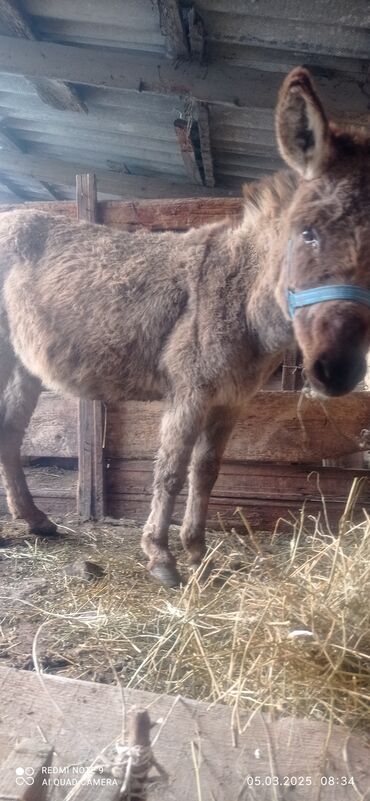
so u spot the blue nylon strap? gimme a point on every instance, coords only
(307, 297)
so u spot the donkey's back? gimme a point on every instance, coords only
(89, 309)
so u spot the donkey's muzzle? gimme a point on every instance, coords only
(336, 374)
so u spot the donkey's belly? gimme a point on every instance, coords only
(95, 379)
(85, 368)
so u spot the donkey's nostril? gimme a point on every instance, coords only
(322, 370)
(339, 375)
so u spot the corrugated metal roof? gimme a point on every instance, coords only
(132, 132)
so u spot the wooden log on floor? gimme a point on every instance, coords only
(197, 744)
(22, 774)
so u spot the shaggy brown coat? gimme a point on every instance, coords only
(199, 318)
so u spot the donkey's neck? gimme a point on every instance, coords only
(264, 221)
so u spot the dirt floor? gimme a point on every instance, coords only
(282, 624)
(46, 582)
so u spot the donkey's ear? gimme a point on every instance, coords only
(302, 128)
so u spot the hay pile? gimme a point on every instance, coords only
(281, 624)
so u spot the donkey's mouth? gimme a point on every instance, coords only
(335, 375)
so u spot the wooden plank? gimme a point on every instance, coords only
(83, 718)
(205, 144)
(9, 141)
(56, 503)
(172, 27)
(291, 375)
(90, 413)
(238, 480)
(290, 30)
(356, 15)
(265, 492)
(110, 181)
(197, 35)
(220, 83)
(54, 93)
(7, 195)
(52, 488)
(50, 190)
(162, 215)
(263, 515)
(271, 429)
(183, 131)
(23, 772)
(18, 193)
(53, 428)
(157, 215)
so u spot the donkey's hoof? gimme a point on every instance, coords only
(44, 528)
(166, 574)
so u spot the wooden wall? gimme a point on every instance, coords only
(270, 465)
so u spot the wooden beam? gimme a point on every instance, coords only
(291, 375)
(90, 717)
(7, 196)
(156, 215)
(172, 27)
(183, 29)
(17, 192)
(91, 499)
(265, 491)
(205, 145)
(219, 83)
(9, 141)
(163, 215)
(183, 131)
(196, 34)
(54, 93)
(50, 190)
(20, 192)
(64, 173)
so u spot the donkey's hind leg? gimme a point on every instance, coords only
(16, 407)
(204, 469)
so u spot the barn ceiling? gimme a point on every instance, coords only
(164, 98)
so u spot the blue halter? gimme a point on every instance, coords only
(318, 294)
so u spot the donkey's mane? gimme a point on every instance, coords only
(351, 141)
(269, 197)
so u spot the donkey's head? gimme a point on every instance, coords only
(324, 284)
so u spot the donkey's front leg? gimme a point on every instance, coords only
(204, 469)
(180, 427)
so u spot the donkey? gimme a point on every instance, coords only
(201, 318)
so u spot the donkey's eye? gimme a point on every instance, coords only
(309, 236)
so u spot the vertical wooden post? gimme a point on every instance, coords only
(91, 496)
(291, 374)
